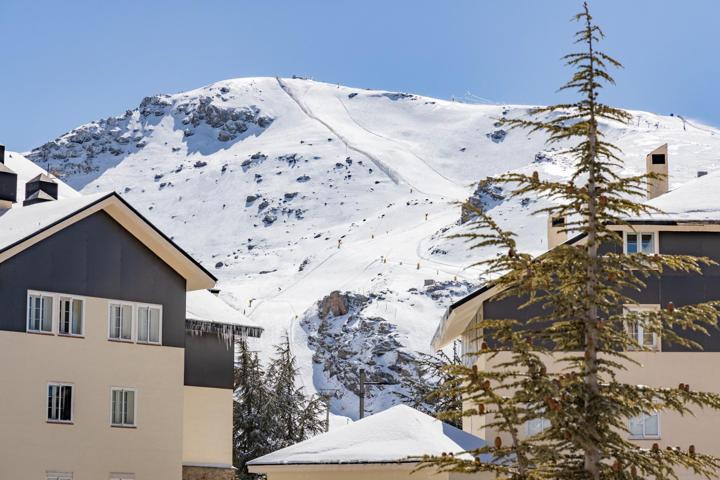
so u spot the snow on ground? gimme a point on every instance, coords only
(290, 189)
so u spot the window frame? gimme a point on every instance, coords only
(149, 306)
(53, 475)
(657, 339)
(655, 241)
(135, 407)
(72, 403)
(111, 304)
(71, 298)
(645, 436)
(544, 423)
(41, 294)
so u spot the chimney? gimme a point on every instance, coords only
(556, 232)
(8, 183)
(657, 162)
(42, 188)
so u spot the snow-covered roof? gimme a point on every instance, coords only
(20, 227)
(18, 223)
(397, 435)
(695, 201)
(204, 306)
(27, 170)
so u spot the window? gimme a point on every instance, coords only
(123, 407)
(60, 402)
(640, 243)
(646, 425)
(637, 331)
(149, 324)
(59, 476)
(537, 425)
(39, 314)
(658, 159)
(71, 316)
(121, 321)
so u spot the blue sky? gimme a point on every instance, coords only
(70, 62)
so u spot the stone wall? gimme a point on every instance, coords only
(208, 473)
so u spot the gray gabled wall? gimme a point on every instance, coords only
(94, 257)
(677, 287)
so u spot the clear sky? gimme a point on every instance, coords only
(68, 62)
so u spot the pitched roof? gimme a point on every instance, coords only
(695, 201)
(203, 306)
(395, 435)
(22, 227)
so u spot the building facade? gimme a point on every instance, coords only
(101, 376)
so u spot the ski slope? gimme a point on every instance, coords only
(289, 189)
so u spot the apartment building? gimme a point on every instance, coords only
(104, 373)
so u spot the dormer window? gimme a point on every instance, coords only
(640, 242)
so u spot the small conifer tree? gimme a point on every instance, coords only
(270, 411)
(563, 364)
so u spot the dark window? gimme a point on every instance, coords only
(558, 221)
(60, 402)
(658, 159)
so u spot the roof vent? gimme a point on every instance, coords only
(701, 173)
(8, 183)
(40, 189)
(657, 162)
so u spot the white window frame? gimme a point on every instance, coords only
(72, 402)
(645, 436)
(655, 240)
(138, 306)
(111, 304)
(544, 425)
(53, 310)
(71, 298)
(52, 475)
(135, 407)
(656, 346)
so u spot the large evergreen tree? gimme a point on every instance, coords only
(563, 364)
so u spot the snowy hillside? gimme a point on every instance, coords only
(291, 189)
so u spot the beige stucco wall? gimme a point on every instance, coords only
(658, 369)
(360, 472)
(90, 447)
(208, 426)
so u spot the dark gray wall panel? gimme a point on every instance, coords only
(208, 361)
(677, 287)
(95, 257)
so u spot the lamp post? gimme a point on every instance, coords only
(363, 383)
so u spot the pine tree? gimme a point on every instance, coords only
(250, 416)
(270, 411)
(296, 417)
(579, 290)
(422, 386)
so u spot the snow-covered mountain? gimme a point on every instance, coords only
(291, 189)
